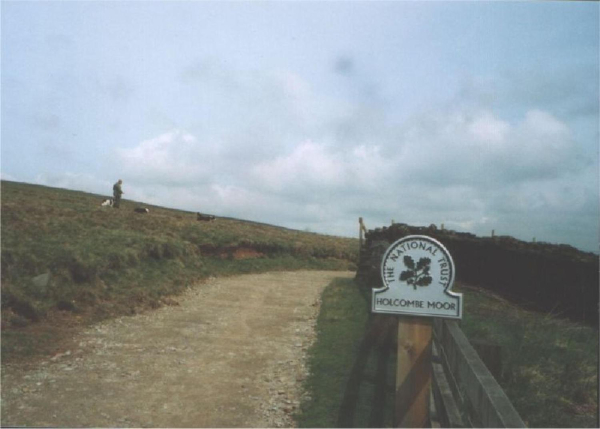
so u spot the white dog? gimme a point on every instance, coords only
(107, 202)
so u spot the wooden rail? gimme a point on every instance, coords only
(465, 392)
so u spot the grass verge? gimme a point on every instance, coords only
(351, 381)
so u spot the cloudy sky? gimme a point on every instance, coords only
(478, 115)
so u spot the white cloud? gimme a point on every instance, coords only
(542, 146)
(488, 129)
(482, 150)
(175, 158)
(309, 166)
(319, 168)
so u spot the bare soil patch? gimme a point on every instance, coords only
(231, 354)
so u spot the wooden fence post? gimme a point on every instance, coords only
(361, 231)
(413, 374)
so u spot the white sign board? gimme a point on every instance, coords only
(418, 274)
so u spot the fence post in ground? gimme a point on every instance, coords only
(413, 373)
(361, 231)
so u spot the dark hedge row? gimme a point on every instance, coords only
(552, 278)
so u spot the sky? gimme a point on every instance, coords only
(310, 114)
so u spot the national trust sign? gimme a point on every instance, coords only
(418, 274)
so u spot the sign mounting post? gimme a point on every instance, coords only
(418, 274)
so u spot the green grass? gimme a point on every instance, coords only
(107, 262)
(351, 380)
(550, 366)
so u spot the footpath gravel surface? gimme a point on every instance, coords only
(230, 352)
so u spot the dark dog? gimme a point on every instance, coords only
(204, 218)
(141, 210)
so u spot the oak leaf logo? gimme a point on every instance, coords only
(416, 275)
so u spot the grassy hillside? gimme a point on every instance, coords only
(549, 364)
(103, 261)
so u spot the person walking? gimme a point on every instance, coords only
(117, 192)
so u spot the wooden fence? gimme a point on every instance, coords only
(465, 393)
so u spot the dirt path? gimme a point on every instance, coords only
(232, 354)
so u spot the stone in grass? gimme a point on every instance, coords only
(41, 283)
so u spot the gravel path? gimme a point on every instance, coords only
(230, 354)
